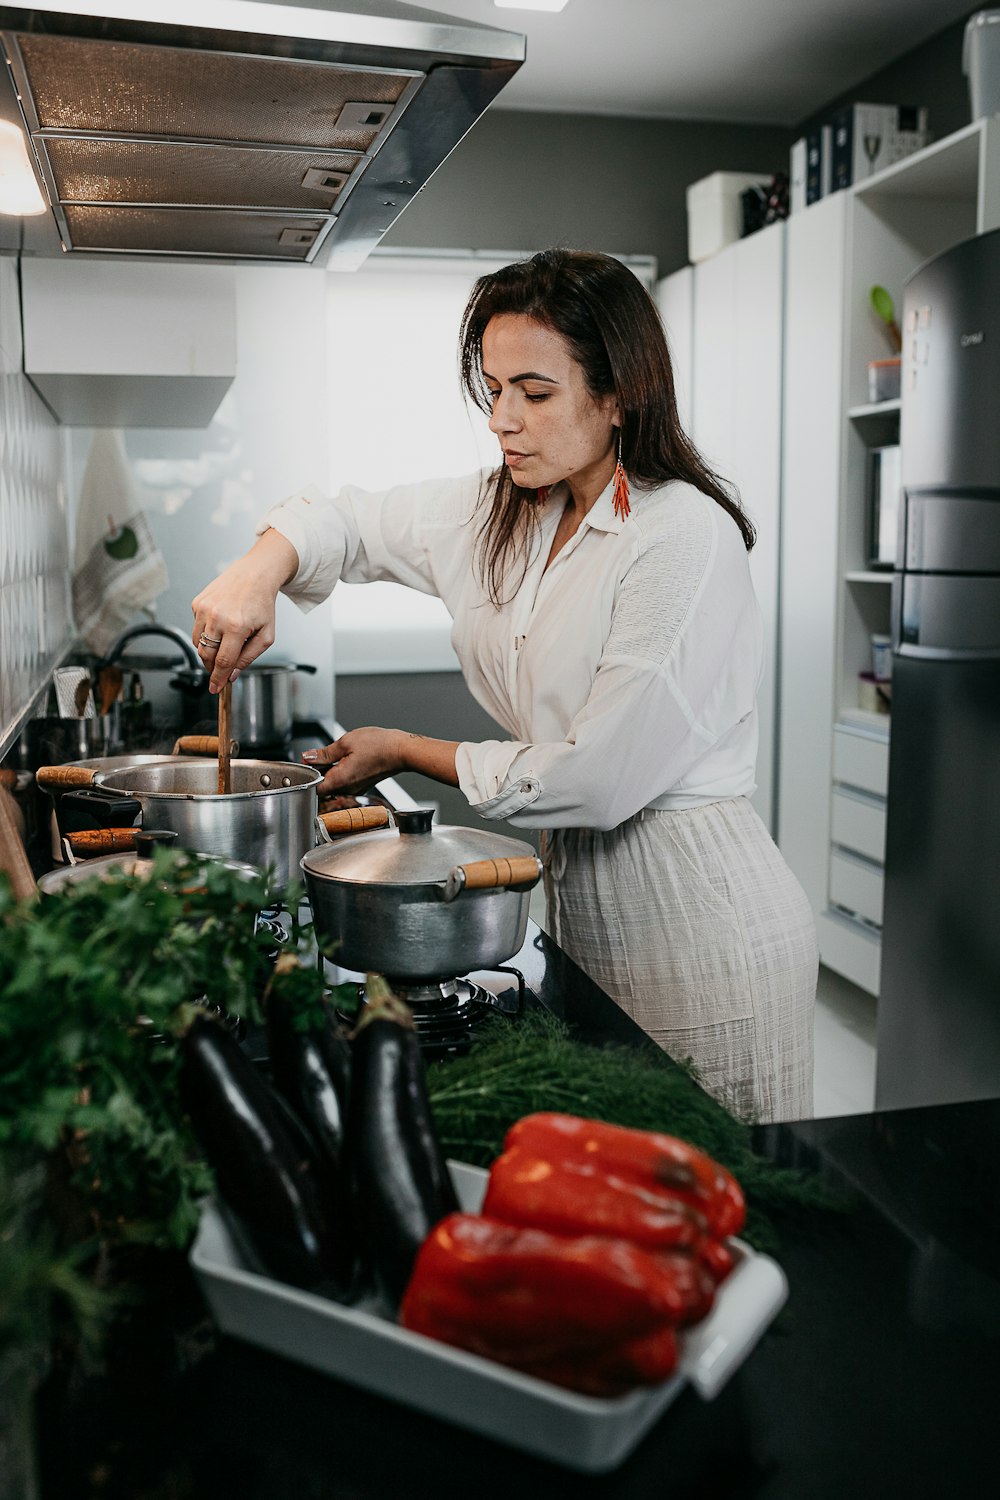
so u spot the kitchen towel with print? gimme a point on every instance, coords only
(118, 568)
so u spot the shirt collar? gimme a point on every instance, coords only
(601, 515)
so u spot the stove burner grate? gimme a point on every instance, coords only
(449, 1014)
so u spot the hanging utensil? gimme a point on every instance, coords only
(225, 721)
(883, 305)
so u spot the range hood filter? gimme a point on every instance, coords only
(225, 139)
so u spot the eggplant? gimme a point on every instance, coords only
(311, 1069)
(263, 1172)
(400, 1182)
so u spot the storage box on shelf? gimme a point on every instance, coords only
(834, 753)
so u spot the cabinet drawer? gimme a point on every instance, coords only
(858, 823)
(856, 885)
(861, 760)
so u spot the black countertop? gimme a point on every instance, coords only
(881, 1377)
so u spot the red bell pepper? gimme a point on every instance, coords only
(584, 1309)
(580, 1197)
(650, 1160)
(613, 1371)
(717, 1258)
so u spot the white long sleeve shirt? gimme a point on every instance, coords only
(625, 673)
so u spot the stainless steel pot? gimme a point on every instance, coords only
(419, 902)
(268, 819)
(53, 882)
(52, 741)
(262, 707)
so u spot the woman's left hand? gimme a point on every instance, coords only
(357, 760)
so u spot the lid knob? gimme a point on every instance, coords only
(418, 821)
(146, 841)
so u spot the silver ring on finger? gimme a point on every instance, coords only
(207, 640)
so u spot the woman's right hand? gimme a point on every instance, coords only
(234, 614)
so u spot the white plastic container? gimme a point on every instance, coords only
(981, 62)
(588, 1433)
(715, 214)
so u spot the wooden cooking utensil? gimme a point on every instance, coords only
(225, 720)
(13, 860)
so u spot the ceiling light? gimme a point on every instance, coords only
(19, 190)
(530, 4)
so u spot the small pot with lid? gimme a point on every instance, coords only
(416, 901)
(262, 704)
(136, 861)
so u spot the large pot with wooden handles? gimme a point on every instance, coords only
(267, 819)
(416, 901)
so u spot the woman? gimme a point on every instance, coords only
(603, 613)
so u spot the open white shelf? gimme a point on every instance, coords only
(875, 409)
(948, 168)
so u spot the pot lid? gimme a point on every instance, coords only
(415, 852)
(131, 862)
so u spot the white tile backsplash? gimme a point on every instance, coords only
(35, 622)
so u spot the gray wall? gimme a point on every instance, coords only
(930, 74)
(523, 181)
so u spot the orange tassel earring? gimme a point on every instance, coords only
(620, 496)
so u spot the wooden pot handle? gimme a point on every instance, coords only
(90, 841)
(196, 744)
(354, 820)
(488, 874)
(51, 778)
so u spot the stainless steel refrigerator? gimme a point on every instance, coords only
(939, 1000)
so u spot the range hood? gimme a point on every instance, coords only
(237, 130)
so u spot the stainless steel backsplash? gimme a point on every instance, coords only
(35, 623)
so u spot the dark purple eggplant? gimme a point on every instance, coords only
(263, 1172)
(400, 1182)
(312, 1069)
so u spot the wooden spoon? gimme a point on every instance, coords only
(225, 718)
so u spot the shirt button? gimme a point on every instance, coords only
(525, 786)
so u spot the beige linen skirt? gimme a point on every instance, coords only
(693, 923)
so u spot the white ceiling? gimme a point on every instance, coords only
(764, 61)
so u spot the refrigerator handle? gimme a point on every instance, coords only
(896, 612)
(944, 653)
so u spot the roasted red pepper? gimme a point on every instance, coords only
(647, 1159)
(717, 1258)
(613, 1371)
(588, 1312)
(580, 1197)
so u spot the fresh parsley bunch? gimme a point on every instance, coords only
(96, 984)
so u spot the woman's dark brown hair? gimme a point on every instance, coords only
(614, 332)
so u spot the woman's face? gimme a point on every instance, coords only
(549, 425)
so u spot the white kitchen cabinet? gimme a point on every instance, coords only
(675, 299)
(129, 344)
(724, 322)
(814, 276)
(857, 886)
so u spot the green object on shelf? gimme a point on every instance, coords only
(883, 305)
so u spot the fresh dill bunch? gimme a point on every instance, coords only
(514, 1071)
